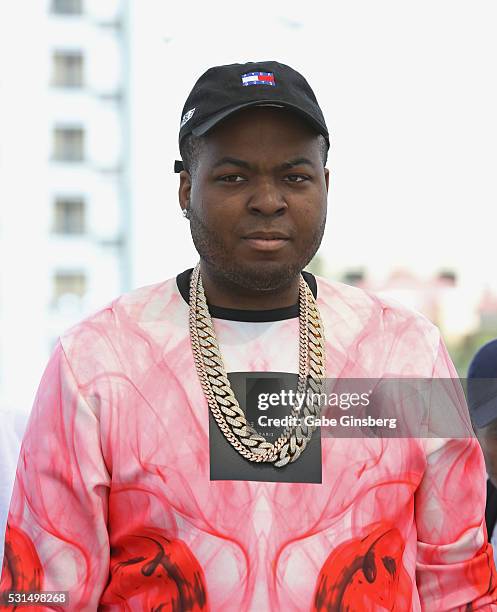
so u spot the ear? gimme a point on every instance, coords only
(327, 179)
(185, 187)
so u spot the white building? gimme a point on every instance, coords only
(64, 231)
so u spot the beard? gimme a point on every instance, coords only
(247, 275)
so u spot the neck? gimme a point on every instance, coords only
(223, 293)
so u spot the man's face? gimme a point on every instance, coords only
(257, 198)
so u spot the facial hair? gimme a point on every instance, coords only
(253, 276)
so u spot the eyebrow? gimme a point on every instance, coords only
(232, 161)
(298, 161)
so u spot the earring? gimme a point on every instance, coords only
(186, 213)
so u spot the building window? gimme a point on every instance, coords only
(69, 144)
(68, 285)
(69, 216)
(67, 7)
(67, 69)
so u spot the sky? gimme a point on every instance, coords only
(409, 93)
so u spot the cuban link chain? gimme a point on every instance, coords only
(220, 397)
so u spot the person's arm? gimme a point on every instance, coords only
(455, 566)
(56, 537)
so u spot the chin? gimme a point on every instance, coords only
(263, 275)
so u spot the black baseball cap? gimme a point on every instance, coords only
(224, 90)
(482, 385)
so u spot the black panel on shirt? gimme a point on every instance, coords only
(227, 464)
(250, 316)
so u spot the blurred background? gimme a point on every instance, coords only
(91, 93)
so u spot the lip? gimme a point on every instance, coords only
(267, 236)
(266, 241)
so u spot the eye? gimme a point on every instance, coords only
(231, 178)
(296, 178)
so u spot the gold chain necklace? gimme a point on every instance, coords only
(220, 397)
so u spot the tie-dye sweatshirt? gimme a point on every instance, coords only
(113, 500)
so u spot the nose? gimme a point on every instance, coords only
(267, 199)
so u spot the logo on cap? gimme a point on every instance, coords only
(258, 78)
(186, 117)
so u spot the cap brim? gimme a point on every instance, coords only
(211, 122)
(485, 414)
(482, 400)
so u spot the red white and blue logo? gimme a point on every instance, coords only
(258, 78)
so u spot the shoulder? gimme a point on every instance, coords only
(133, 322)
(378, 324)
(350, 301)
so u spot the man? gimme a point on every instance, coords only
(143, 482)
(482, 402)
